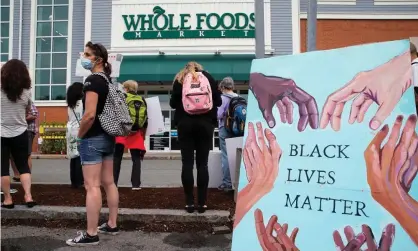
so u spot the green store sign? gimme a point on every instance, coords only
(161, 25)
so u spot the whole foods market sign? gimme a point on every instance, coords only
(162, 25)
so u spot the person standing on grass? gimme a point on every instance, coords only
(31, 116)
(75, 110)
(135, 141)
(15, 100)
(96, 149)
(227, 88)
(195, 133)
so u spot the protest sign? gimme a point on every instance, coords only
(330, 152)
(231, 148)
(155, 116)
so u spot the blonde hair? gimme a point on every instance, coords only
(130, 86)
(191, 67)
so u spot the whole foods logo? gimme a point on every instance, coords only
(161, 25)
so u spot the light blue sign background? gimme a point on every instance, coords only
(320, 74)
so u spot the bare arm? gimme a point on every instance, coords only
(31, 112)
(90, 113)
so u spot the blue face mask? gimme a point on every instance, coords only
(86, 63)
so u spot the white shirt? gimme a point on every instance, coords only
(415, 72)
(13, 114)
(74, 116)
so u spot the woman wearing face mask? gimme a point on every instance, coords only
(96, 149)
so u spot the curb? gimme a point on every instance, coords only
(125, 156)
(21, 212)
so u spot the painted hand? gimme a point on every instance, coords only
(355, 242)
(261, 161)
(383, 85)
(270, 91)
(262, 167)
(270, 242)
(391, 171)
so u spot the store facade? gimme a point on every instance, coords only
(157, 38)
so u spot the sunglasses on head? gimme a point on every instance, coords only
(97, 49)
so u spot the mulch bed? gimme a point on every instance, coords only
(146, 198)
(189, 227)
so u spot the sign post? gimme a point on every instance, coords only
(259, 24)
(311, 31)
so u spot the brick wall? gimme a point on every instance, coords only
(333, 33)
(49, 115)
(53, 114)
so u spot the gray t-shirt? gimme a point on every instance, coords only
(13, 114)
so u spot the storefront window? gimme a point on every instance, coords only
(51, 49)
(5, 30)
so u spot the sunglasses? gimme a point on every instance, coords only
(97, 49)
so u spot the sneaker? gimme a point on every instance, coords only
(221, 187)
(136, 188)
(105, 229)
(228, 189)
(225, 188)
(83, 239)
(12, 191)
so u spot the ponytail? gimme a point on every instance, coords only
(107, 68)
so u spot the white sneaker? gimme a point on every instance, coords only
(12, 191)
(136, 188)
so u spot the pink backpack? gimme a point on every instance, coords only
(197, 95)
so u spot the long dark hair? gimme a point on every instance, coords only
(14, 78)
(74, 94)
(100, 52)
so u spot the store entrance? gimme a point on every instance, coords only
(167, 140)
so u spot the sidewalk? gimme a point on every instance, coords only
(148, 156)
(155, 172)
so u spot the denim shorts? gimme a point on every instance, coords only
(95, 150)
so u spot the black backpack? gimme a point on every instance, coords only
(235, 116)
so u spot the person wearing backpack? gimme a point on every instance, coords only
(227, 88)
(135, 141)
(96, 145)
(195, 98)
(75, 111)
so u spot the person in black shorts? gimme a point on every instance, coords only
(15, 100)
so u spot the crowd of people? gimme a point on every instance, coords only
(97, 157)
(200, 105)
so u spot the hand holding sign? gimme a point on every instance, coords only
(383, 85)
(391, 170)
(262, 167)
(355, 242)
(270, 91)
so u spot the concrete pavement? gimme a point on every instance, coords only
(125, 214)
(22, 238)
(155, 173)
